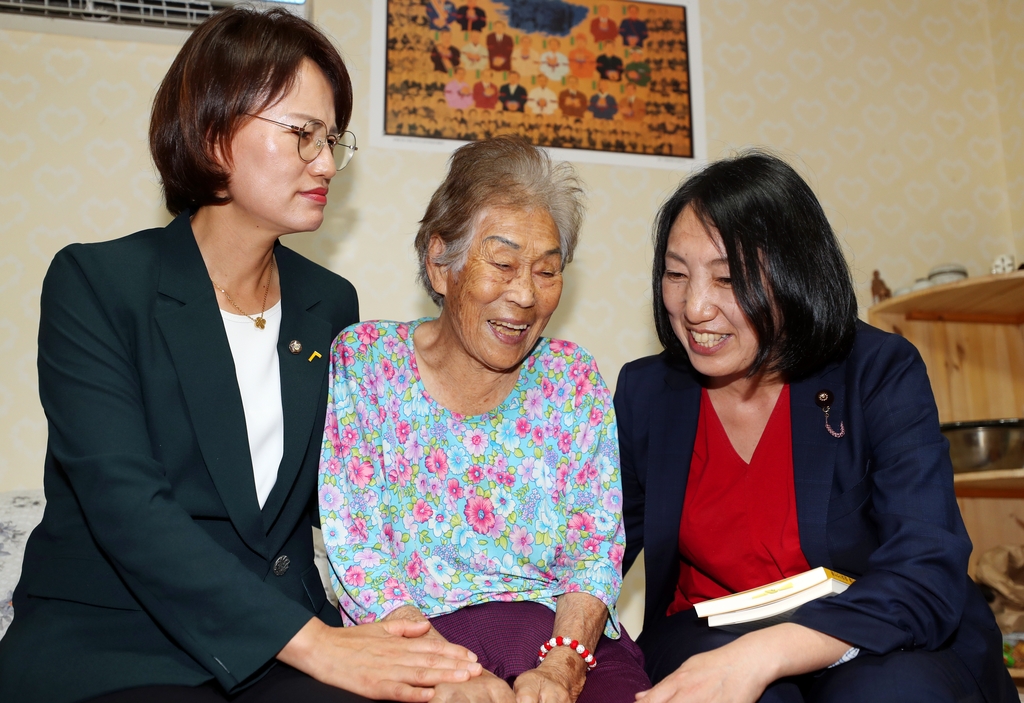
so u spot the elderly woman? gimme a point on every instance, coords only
(185, 401)
(777, 433)
(469, 473)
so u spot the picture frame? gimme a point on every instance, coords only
(608, 81)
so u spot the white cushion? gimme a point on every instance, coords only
(20, 512)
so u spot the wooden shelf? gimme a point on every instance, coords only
(998, 299)
(1004, 483)
(971, 336)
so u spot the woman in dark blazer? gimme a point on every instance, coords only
(774, 434)
(183, 373)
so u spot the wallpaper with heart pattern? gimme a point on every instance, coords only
(904, 115)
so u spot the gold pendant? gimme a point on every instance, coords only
(260, 322)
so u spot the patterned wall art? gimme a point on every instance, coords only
(604, 81)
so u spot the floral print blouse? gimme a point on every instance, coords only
(425, 507)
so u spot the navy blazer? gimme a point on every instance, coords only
(876, 504)
(154, 563)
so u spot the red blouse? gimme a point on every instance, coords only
(739, 528)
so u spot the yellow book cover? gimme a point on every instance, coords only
(770, 593)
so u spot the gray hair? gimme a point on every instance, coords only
(503, 172)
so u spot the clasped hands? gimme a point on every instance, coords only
(402, 658)
(558, 679)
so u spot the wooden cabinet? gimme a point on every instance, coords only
(971, 336)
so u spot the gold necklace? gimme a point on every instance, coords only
(259, 321)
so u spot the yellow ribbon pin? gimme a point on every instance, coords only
(314, 355)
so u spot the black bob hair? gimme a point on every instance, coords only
(787, 268)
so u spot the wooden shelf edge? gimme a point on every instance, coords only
(984, 317)
(973, 492)
(983, 476)
(1004, 483)
(918, 304)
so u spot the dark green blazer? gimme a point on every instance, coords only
(153, 563)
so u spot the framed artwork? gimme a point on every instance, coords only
(606, 81)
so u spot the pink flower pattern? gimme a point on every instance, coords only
(442, 511)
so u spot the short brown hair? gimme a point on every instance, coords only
(238, 62)
(503, 172)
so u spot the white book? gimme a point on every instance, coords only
(778, 611)
(789, 593)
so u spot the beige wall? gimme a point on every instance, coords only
(1006, 32)
(904, 115)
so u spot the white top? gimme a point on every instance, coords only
(554, 65)
(480, 62)
(259, 381)
(534, 97)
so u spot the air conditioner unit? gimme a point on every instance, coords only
(165, 14)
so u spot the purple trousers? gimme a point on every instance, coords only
(506, 637)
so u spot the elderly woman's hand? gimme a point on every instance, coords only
(486, 688)
(559, 679)
(562, 674)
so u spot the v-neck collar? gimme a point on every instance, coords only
(781, 407)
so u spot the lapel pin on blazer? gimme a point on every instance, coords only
(295, 346)
(314, 355)
(823, 399)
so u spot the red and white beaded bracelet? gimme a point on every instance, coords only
(572, 644)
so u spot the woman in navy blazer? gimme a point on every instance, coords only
(174, 561)
(752, 295)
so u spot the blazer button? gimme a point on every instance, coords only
(281, 565)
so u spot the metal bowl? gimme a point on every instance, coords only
(988, 445)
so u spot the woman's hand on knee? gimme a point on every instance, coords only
(741, 670)
(486, 688)
(390, 660)
(729, 674)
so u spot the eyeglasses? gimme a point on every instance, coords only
(312, 138)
